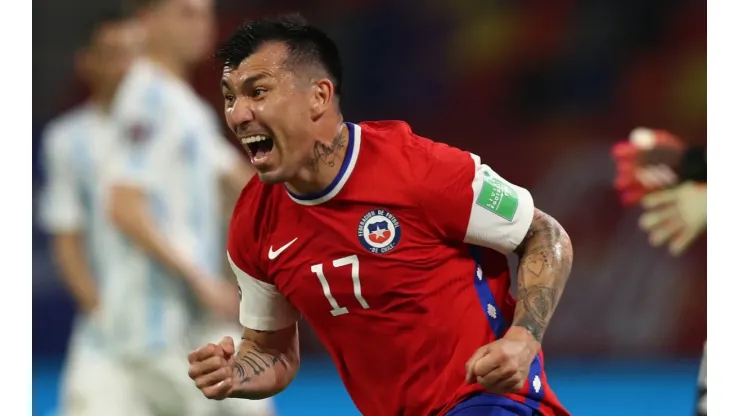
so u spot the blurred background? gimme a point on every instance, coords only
(541, 91)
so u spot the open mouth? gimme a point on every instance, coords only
(259, 146)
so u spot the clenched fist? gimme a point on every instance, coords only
(211, 368)
(501, 366)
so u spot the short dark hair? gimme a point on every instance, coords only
(306, 45)
(109, 15)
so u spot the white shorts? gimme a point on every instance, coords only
(97, 385)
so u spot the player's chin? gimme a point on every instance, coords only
(271, 176)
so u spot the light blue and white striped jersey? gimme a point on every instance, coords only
(161, 136)
(171, 147)
(79, 147)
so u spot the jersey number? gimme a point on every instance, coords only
(353, 261)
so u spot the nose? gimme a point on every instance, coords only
(241, 114)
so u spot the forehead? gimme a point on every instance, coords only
(126, 32)
(190, 4)
(267, 60)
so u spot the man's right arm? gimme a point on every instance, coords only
(266, 363)
(267, 359)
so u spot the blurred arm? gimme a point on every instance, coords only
(129, 210)
(69, 253)
(266, 363)
(238, 175)
(546, 257)
(234, 168)
(62, 215)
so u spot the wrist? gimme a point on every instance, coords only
(523, 334)
(194, 276)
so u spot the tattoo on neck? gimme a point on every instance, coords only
(327, 155)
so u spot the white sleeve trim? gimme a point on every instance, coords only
(60, 207)
(261, 306)
(501, 212)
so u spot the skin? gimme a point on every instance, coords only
(264, 365)
(297, 109)
(180, 33)
(103, 63)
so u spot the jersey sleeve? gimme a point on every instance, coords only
(261, 305)
(149, 140)
(466, 201)
(60, 205)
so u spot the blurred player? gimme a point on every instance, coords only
(669, 179)
(165, 199)
(373, 234)
(77, 147)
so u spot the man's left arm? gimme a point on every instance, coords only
(464, 200)
(545, 260)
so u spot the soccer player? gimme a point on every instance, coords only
(375, 235)
(165, 193)
(77, 147)
(669, 179)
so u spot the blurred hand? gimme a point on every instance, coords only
(503, 365)
(645, 163)
(217, 295)
(211, 368)
(675, 216)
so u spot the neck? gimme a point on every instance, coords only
(327, 157)
(102, 99)
(171, 64)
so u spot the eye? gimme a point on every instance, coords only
(258, 92)
(230, 98)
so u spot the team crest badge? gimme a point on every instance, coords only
(379, 231)
(139, 132)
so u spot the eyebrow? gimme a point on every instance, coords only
(247, 82)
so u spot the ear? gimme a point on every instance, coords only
(322, 97)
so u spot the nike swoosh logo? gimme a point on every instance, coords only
(272, 255)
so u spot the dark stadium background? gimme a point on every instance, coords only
(539, 89)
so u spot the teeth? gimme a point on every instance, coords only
(253, 139)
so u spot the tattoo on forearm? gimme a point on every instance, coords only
(328, 155)
(546, 256)
(255, 362)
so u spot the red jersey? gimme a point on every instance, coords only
(384, 266)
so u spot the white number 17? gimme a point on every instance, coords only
(353, 261)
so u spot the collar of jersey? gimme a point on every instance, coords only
(348, 165)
